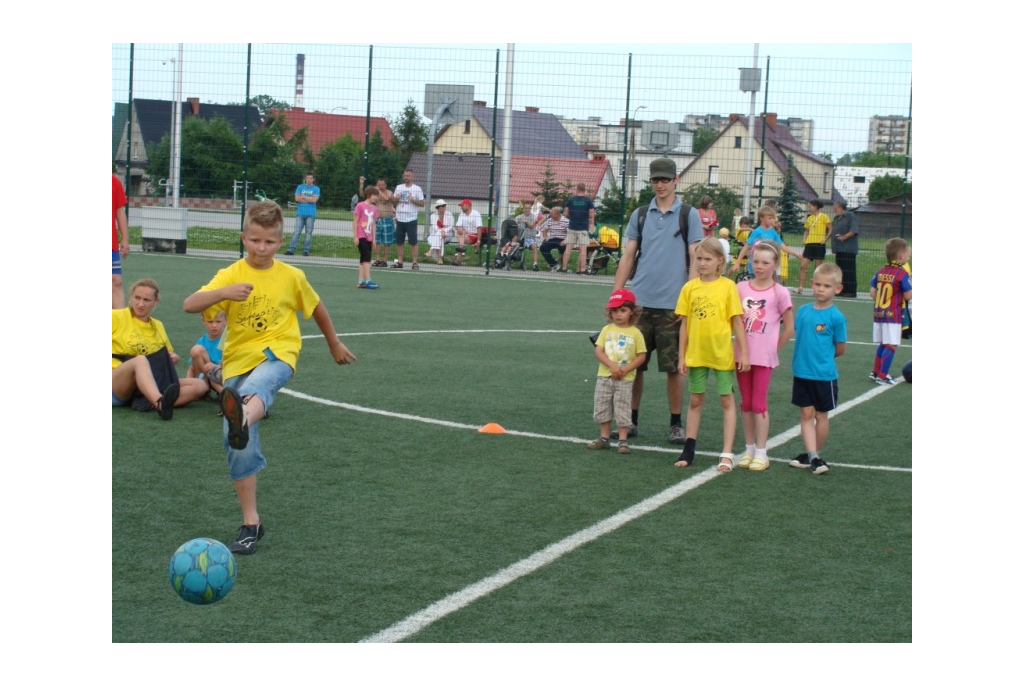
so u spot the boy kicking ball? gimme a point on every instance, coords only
(261, 298)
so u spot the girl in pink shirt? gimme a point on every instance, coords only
(364, 223)
(766, 305)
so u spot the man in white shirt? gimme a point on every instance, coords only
(408, 198)
(469, 224)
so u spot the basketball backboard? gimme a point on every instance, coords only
(458, 98)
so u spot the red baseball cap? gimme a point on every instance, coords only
(466, 201)
(621, 297)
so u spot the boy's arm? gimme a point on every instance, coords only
(840, 349)
(338, 350)
(736, 262)
(605, 359)
(122, 229)
(741, 338)
(637, 362)
(683, 340)
(787, 328)
(204, 299)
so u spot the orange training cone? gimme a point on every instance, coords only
(492, 428)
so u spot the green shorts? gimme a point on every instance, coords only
(724, 380)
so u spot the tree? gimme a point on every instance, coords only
(339, 166)
(885, 186)
(702, 137)
(790, 213)
(211, 158)
(410, 133)
(550, 192)
(725, 199)
(875, 159)
(609, 207)
(265, 103)
(274, 165)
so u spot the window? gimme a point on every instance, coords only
(826, 188)
(859, 179)
(620, 139)
(758, 177)
(659, 139)
(466, 129)
(712, 175)
(739, 141)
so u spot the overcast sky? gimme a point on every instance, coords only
(839, 86)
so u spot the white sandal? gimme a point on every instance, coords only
(725, 462)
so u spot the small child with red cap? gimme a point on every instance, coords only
(621, 349)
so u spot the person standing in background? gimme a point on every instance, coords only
(306, 197)
(120, 248)
(845, 248)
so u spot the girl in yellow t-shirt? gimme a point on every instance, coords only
(817, 230)
(710, 314)
(134, 334)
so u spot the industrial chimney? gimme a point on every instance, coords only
(300, 73)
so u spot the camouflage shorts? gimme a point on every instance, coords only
(660, 328)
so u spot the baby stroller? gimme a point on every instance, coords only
(509, 232)
(603, 252)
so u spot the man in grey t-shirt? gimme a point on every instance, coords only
(660, 276)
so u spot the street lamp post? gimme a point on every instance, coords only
(632, 149)
(174, 182)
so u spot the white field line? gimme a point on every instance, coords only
(454, 602)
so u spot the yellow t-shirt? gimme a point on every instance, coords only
(816, 226)
(622, 345)
(265, 326)
(134, 337)
(709, 308)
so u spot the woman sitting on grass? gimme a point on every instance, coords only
(135, 334)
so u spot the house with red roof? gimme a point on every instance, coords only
(457, 177)
(323, 128)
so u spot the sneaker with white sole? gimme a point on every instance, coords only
(873, 376)
(818, 466)
(801, 461)
(245, 543)
(885, 380)
(599, 444)
(623, 447)
(370, 285)
(676, 435)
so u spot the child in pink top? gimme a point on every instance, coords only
(766, 304)
(364, 224)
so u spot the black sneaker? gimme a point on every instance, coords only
(245, 543)
(818, 466)
(167, 400)
(633, 431)
(802, 461)
(289, 252)
(234, 412)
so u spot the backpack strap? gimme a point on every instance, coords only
(683, 231)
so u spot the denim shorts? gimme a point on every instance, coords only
(263, 381)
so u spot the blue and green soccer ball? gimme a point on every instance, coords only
(202, 571)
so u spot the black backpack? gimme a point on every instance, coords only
(684, 228)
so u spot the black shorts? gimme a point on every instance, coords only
(364, 250)
(406, 229)
(814, 251)
(822, 395)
